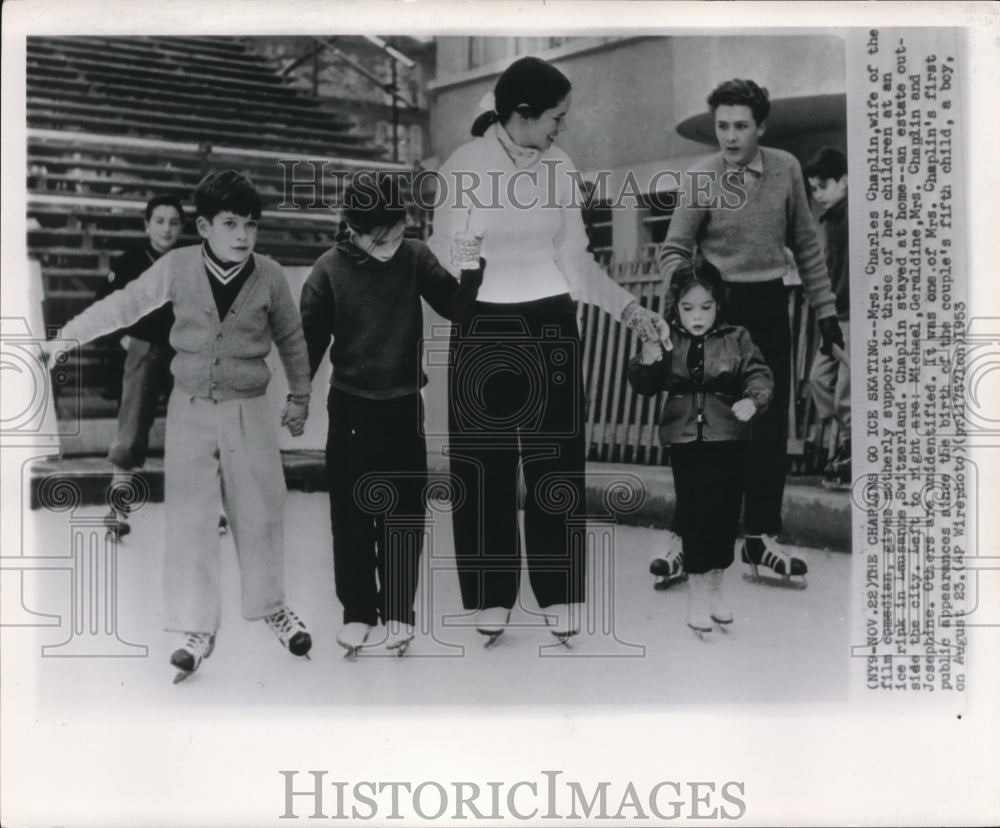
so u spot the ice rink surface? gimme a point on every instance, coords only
(786, 646)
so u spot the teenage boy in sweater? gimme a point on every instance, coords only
(830, 376)
(221, 446)
(745, 238)
(366, 293)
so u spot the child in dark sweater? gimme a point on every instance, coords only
(716, 381)
(365, 293)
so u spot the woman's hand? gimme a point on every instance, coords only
(648, 325)
(744, 409)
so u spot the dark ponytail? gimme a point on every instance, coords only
(529, 86)
(483, 123)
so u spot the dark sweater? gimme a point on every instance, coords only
(834, 222)
(154, 327)
(372, 311)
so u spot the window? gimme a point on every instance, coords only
(655, 211)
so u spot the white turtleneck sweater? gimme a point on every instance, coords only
(535, 243)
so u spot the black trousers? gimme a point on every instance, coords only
(708, 480)
(516, 406)
(763, 310)
(376, 461)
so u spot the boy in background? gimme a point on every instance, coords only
(830, 375)
(146, 372)
(221, 447)
(746, 241)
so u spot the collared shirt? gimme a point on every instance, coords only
(756, 166)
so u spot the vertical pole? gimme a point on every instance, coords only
(395, 113)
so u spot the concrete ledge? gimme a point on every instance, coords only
(631, 495)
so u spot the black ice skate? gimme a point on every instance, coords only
(116, 526)
(491, 622)
(223, 526)
(291, 632)
(188, 658)
(669, 569)
(352, 638)
(764, 552)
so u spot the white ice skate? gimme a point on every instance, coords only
(196, 648)
(765, 551)
(291, 632)
(398, 637)
(669, 569)
(491, 623)
(718, 608)
(352, 637)
(699, 618)
(563, 621)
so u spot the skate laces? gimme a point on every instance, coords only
(285, 623)
(774, 554)
(199, 644)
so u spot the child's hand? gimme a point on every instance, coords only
(744, 409)
(651, 352)
(294, 415)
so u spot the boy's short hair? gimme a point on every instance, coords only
(828, 163)
(373, 200)
(227, 190)
(164, 201)
(699, 272)
(738, 92)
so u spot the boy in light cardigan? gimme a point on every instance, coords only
(221, 445)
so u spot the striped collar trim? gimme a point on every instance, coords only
(221, 271)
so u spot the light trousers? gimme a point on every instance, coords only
(221, 455)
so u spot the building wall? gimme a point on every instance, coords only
(629, 95)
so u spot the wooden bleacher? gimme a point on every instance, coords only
(113, 121)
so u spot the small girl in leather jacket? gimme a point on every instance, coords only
(716, 382)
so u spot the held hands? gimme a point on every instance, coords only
(744, 409)
(473, 274)
(830, 333)
(295, 414)
(648, 325)
(55, 351)
(651, 352)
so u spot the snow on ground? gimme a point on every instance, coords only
(786, 646)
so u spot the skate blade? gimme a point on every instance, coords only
(664, 582)
(351, 653)
(783, 581)
(704, 633)
(564, 640)
(723, 626)
(183, 675)
(399, 650)
(491, 638)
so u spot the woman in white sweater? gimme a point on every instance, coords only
(516, 397)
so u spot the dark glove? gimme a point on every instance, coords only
(474, 276)
(830, 333)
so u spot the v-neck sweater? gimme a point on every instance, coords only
(747, 242)
(216, 359)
